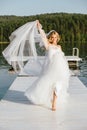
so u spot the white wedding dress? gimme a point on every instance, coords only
(54, 73)
(54, 77)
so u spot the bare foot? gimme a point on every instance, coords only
(53, 108)
(54, 102)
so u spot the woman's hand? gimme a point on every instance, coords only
(38, 24)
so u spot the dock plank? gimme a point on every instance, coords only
(17, 113)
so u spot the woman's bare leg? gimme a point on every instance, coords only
(54, 102)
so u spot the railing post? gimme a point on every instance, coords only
(75, 52)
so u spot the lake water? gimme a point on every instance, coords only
(7, 78)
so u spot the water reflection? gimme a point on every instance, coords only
(6, 79)
(83, 71)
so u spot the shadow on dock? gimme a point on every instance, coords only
(17, 97)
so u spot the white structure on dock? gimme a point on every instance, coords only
(74, 59)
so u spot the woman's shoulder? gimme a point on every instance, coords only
(55, 46)
(59, 46)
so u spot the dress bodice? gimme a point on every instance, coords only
(53, 49)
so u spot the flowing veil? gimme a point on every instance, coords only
(22, 47)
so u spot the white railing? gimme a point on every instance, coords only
(75, 52)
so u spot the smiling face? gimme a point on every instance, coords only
(53, 37)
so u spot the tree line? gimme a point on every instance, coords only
(71, 27)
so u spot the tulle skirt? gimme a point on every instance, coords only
(54, 77)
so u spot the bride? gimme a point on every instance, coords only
(52, 83)
(51, 86)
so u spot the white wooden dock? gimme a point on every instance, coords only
(73, 58)
(16, 112)
(69, 58)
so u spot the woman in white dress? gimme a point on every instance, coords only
(52, 83)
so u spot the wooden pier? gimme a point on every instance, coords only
(17, 113)
(74, 59)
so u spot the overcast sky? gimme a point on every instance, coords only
(33, 7)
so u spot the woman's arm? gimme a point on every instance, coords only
(44, 38)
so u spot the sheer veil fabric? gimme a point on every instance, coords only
(22, 47)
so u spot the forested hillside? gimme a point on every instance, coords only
(71, 27)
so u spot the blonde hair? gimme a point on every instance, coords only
(53, 32)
